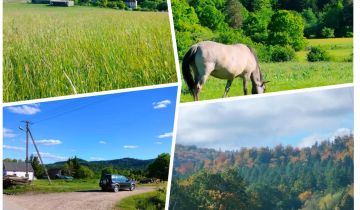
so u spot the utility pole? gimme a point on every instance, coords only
(28, 133)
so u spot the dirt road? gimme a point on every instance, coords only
(94, 200)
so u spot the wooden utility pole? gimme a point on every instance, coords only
(27, 150)
(28, 132)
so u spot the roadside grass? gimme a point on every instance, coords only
(43, 186)
(282, 76)
(55, 51)
(154, 200)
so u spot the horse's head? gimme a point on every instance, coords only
(260, 88)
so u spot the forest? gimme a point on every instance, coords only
(319, 177)
(275, 28)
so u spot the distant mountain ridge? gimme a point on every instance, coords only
(123, 163)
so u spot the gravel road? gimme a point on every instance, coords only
(90, 200)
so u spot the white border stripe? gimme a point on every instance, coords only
(90, 94)
(279, 93)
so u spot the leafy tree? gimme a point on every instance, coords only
(39, 170)
(84, 172)
(233, 13)
(287, 28)
(255, 26)
(160, 167)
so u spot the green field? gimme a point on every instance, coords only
(55, 51)
(43, 186)
(150, 201)
(292, 75)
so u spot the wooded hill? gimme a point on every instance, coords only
(123, 163)
(283, 177)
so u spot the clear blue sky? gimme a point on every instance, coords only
(134, 124)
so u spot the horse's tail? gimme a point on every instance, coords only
(187, 60)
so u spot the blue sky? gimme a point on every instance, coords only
(133, 124)
(298, 119)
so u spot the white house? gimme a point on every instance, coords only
(17, 169)
(131, 3)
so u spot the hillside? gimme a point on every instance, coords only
(316, 177)
(123, 163)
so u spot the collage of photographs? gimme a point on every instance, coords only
(179, 105)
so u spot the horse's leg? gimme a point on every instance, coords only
(198, 85)
(245, 86)
(227, 88)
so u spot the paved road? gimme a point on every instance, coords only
(89, 200)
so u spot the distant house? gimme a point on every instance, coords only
(54, 173)
(17, 169)
(131, 4)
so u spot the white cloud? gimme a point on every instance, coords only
(130, 146)
(161, 104)
(13, 148)
(312, 139)
(341, 132)
(265, 121)
(165, 135)
(8, 133)
(102, 142)
(30, 109)
(48, 142)
(51, 156)
(158, 142)
(96, 158)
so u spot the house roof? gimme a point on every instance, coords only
(10, 166)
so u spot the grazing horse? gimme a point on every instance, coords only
(223, 62)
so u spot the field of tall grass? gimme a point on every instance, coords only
(292, 75)
(55, 51)
(43, 186)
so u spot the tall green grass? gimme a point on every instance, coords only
(55, 51)
(43, 186)
(282, 76)
(150, 201)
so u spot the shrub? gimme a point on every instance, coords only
(282, 54)
(327, 32)
(317, 54)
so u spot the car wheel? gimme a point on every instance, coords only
(116, 188)
(132, 187)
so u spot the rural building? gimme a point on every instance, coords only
(65, 3)
(54, 173)
(131, 4)
(17, 169)
(40, 1)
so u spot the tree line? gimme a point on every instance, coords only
(78, 169)
(316, 177)
(276, 28)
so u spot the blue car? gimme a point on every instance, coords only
(116, 182)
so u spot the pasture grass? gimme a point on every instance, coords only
(339, 49)
(154, 200)
(282, 76)
(54, 51)
(43, 186)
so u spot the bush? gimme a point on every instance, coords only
(317, 54)
(327, 32)
(282, 54)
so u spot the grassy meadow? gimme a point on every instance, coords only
(292, 75)
(43, 186)
(55, 51)
(154, 200)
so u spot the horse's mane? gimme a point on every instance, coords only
(252, 50)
